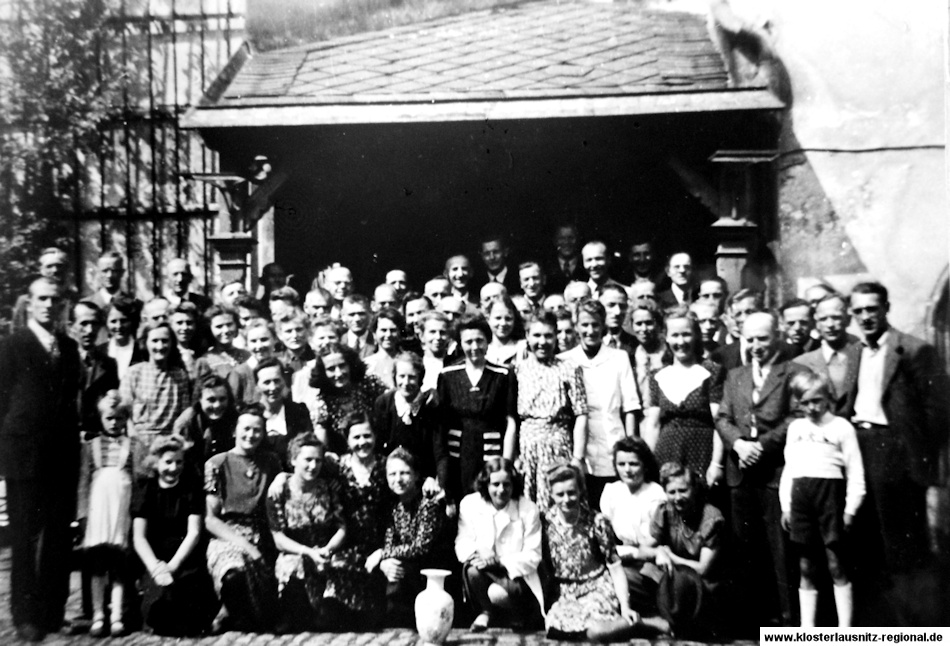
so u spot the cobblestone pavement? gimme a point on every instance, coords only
(388, 637)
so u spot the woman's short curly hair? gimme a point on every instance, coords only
(160, 446)
(562, 473)
(404, 455)
(318, 376)
(494, 465)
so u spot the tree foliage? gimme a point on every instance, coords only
(57, 86)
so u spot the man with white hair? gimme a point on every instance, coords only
(753, 420)
(492, 291)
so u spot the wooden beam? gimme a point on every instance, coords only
(210, 116)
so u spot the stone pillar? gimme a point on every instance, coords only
(232, 254)
(734, 243)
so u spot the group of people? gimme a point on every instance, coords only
(599, 458)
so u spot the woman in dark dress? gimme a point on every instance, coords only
(417, 537)
(686, 534)
(241, 550)
(401, 418)
(477, 402)
(339, 386)
(685, 397)
(167, 512)
(366, 506)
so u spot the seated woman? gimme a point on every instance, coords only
(499, 546)
(580, 549)
(366, 504)
(416, 538)
(339, 386)
(685, 538)
(629, 505)
(306, 521)
(241, 549)
(167, 512)
(401, 418)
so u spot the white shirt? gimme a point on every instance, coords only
(500, 276)
(277, 424)
(868, 406)
(611, 392)
(827, 450)
(433, 367)
(122, 355)
(45, 336)
(630, 513)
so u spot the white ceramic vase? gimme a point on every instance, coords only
(435, 609)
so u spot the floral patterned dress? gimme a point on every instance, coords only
(310, 517)
(241, 483)
(578, 555)
(550, 396)
(330, 409)
(686, 424)
(366, 507)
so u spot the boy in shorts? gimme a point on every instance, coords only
(820, 491)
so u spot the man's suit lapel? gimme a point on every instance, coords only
(775, 377)
(893, 356)
(853, 354)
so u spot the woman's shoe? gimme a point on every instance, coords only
(481, 622)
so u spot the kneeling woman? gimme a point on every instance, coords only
(306, 520)
(499, 545)
(580, 549)
(167, 514)
(686, 534)
(416, 538)
(241, 550)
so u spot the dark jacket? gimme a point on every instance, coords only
(423, 438)
(98, 378)
(843, 401)
(773, 413)
(39, 408)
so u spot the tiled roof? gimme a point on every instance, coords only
(536, 48)
(543, 49)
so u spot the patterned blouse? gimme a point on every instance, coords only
(330, 409)
(415, 530)
(578, 551)
(550, 391)
(366, 504)
(309, 517)
(158, 397)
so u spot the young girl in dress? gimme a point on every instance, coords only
(105, 493)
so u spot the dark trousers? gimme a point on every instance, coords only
(41, 511)
(524, 607)
(762, 555)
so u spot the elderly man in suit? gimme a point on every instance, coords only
(900, 414)
(679, 269)
(39, 457)
(567, 265)
(752, 422)
(178, 277)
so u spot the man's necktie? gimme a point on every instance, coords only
(838, 371)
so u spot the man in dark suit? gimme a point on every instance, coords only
(752, 422)
(494, 253)
(798, 323)
(178, 276)
(838, 355)
(736, 353)
(99, 371)
(679, 269)
(901, 417)
(567, 265)
(39, 457)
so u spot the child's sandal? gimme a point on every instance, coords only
(117, 629)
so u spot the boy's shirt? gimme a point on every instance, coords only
(826, 450)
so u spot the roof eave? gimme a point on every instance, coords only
(294, 115)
